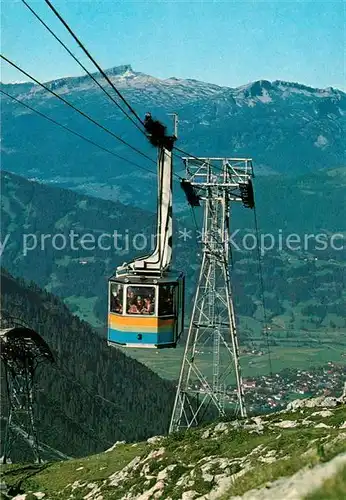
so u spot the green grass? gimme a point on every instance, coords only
(265, 473)
(333, 488)
(167, 362)
(53, 478)
(292, 448)
(300, 453)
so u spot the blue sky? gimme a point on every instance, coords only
(228, 43)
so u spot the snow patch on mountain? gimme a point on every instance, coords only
(265, 97)
(178, 90)
(125, 70)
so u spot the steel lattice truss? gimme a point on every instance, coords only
(212, 329)
(21, 351)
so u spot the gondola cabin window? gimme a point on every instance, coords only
(116, 298)
(140, 300)
(166, 300)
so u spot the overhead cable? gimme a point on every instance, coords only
(82, 46)
(81, 65)
(82, 113)
(75, 133)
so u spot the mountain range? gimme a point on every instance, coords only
(287, 128)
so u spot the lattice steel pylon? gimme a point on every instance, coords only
(21, 351)
(216, 182)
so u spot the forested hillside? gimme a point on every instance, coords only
(304, 288)
(93, 395)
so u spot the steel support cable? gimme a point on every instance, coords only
(76, 133)
(87, 71)
(99, 69)
(76, 109)
(193, 157)
(90, 75)
(81, 45)
(81, 65)
(86, 116)
(260, 273)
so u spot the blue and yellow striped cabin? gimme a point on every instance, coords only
(145, 312)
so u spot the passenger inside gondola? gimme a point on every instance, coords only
(140, 304)
(140, 300)
(116, 299)
(132, 308)
(148, 306)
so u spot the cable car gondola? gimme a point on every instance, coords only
(146, 297)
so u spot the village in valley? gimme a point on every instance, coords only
(276, 391)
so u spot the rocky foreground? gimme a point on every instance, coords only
(292, 454)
